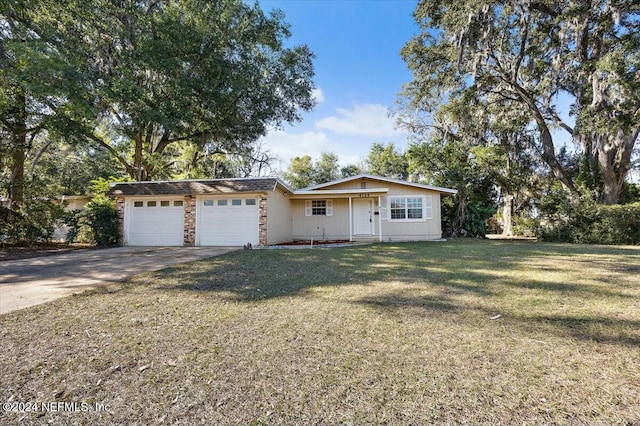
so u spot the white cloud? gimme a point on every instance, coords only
(349, 134)
(288, 145)
(318, 95)
(363, 120)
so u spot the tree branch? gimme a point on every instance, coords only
(523, 45)
(113, 152)
(41, 151)
(543, 8)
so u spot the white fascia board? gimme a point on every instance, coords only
(339, 193)
(383, 179)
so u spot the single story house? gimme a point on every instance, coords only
(265, 211)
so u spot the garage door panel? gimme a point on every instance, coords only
(155, 223)
(228, 222)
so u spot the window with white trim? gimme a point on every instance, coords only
(410, 208)
(318, 208)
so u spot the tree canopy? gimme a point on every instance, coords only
(525, 56)
(149, 82)
(205, 73)
(304, 172)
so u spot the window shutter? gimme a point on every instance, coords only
(428, 207)
(384, 215)
(329, 207)
(307, 208)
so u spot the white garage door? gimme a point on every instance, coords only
(155, 222)
(227, 221)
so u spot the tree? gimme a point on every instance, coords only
(387, 161)
(212, 162)
(195, 71)
(64, 168)
(450, 160)
(300, 173)
(326, 168)
(43, 72)
(528, 54)
(350, 170)
(304, 172)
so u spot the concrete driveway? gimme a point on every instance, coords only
(29, 282)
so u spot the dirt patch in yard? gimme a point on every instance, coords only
(8, 252)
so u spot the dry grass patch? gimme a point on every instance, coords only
(389, 333)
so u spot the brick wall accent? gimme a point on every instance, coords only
(120, 210)
(262, 238)
(189, 220)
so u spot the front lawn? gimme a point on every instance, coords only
(468, 331)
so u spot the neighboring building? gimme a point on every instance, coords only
(265, 211)
(70, 203)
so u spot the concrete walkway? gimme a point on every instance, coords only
(29, 282)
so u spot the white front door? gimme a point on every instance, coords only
(363, 217)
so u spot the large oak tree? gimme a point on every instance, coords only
(43, 80)
(526, 55)
(194, 71)
(145, 80)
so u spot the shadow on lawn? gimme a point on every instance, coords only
(456, 268)
(443, 278)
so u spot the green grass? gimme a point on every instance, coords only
(388, 333)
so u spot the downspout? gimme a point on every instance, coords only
(350, 221)
(380, 217)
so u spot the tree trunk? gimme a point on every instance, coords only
(138, 167)
(18, 154)
(612, 154)
(546, 139)
(16, 191)
(461, 214)
(507, 228)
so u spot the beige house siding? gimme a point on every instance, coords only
(429, 229)
(278, 218)
(334, 227)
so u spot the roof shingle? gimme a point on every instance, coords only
(196, 187)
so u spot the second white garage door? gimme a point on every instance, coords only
(227, 221)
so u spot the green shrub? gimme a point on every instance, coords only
(591, 223)
(33, 223)
(101, 217)
(98, 222)
(524, 226)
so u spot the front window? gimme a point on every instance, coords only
(318, 208)
(398, 208)
(407, 208)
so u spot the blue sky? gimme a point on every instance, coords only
(359, 74)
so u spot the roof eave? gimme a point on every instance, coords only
(383, 179)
